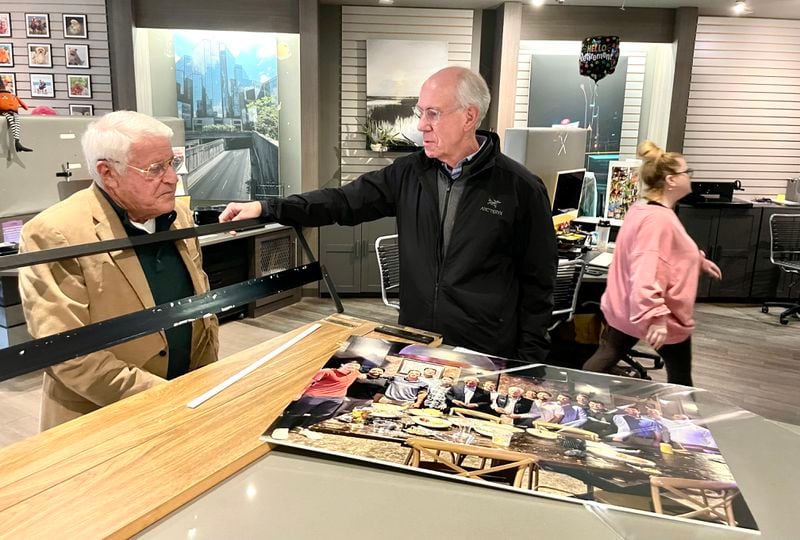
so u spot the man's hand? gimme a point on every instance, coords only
(656, 335)
(238, 211)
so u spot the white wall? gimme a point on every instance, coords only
(361, 23)
(743, 121)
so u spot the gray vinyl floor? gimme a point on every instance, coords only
(743, 356)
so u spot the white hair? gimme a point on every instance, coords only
(473, 91)
(111, 138)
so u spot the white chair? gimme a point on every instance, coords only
(387, 249)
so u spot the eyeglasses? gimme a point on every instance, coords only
(156, 170)
(431, 115)
(687, 172)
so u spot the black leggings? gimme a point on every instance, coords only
(614, 345)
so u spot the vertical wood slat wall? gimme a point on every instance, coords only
(634, 85)
(361, 23)
(100, 72)
(743, 120)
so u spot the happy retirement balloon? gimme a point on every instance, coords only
(599, 56)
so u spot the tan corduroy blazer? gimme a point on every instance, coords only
(71, 293)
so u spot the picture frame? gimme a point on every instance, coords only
(40, 55)
(37, 25)
(9, 82)
(623, 188)
(42, 85)
(81, 109)
(5, 24)
(75, 26)
(79, 86)
(76, 56)
(6, 55)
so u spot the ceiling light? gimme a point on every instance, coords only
(537, 3)
(740, 7)
(386, 2)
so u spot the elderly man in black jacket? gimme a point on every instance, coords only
(477, 248)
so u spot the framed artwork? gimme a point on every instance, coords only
(409, 365)
(37, 25)
(75, 26)
(79, 86)
(9, 82)
(6, 55)
(81, 110)
(5, 25)
(623, 188)
(40, 55)
(77, 56)
(42, 85)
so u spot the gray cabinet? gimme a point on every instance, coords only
(348, 254)
(728, 236)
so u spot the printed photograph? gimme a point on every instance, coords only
(6, 55)
(75, 26)
(42, 86)
(81, 110)
(37, 25)
(40, 55)
(5, 25)
(623, 188)
(228, 98)
(8, 81)
(396, 70)
(77, 56)
(79, 86)
(536, 429)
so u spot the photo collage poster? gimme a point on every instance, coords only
(537, 429)
(623, 188)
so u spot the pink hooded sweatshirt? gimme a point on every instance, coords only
(654, 274)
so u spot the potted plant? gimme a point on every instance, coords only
(379, 138)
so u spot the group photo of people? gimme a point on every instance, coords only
(375, 400)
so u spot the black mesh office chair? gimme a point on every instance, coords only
(784, 232)
(389, 266)
(565, 295)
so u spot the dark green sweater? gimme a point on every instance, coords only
(169, 280)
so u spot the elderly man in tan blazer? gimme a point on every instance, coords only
(131, 161)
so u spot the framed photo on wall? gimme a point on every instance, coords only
(40, 55)
(9, 82)
(81, 110)
(77, 56)
(42, 85)
(75, 26)
(5, 24)
(6, 55)
(79, 86)
(37, 25)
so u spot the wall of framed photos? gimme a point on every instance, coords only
(54, 53)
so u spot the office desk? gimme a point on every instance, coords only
(121, 469)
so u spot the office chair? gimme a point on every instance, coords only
(784, 252)
(387, 248)
(565, 294)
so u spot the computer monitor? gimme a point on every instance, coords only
(569, 185)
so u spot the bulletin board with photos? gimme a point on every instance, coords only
(44, 58)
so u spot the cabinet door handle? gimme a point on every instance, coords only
(357, 249)
(365, 248)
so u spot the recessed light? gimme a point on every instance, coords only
(386, 2)
(537, 3)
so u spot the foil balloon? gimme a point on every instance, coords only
(599, 56)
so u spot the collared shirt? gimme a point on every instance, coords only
(468, 393)
(455, 172)
(436, 395)
(401, 389)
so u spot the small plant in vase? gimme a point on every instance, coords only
(379, 138)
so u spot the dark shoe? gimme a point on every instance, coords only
(18, 146)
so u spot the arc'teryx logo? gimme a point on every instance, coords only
(494, 203)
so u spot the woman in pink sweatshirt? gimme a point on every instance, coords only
(652, 281)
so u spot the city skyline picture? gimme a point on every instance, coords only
(227, 96)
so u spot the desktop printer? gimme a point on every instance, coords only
(709, 193)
